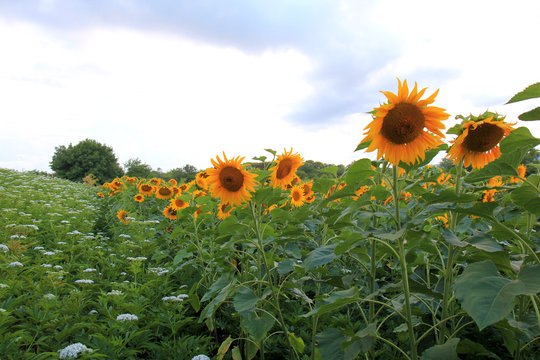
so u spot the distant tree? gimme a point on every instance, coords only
(135, 167)
(311, 170)
(184, 174)
(446, 164)
(87, 157)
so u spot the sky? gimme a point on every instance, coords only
(179, 82)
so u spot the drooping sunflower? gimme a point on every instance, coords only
(489, 195)
(495, 181)
(184, 187)
(122, 215)
(229, 181)
(100, 194)
(522, 172)
(170, 213)
(397, 130)
(179, 204)
(164, 192)
(297, 196)
(139, 198)
(173, 182)
(146, 189)
(284, 171)
(479, 141)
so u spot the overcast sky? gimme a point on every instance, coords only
(178, 82)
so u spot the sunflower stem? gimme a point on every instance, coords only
(404, 268)
(275, 295)
(449, 269)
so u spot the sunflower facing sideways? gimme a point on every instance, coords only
(478, 143)
(284, 172)
(397, 130)
(229, 181)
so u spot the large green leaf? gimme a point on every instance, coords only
(320, 256)
(532, 91)
(487, 296)
(257, 326)
(446, 351)
(527, 197)
(448, 195)
(530, 115)
(333, 302)
(329, 344)
(245, 300)
(520, 138)
(359, 170)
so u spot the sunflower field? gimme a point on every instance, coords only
(393, 259)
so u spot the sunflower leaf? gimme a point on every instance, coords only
(532, 91)
(530, 115)
(363, 145)
(520, 138)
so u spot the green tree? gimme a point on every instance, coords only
(135, 167)
(184, 174)
(85, 158)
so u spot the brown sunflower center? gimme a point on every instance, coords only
(485, 137)
(231, 178)
(146, 187)
(296, 195)
(165, 191)
(284, 168)
(403, 123)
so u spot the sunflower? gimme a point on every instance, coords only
(522, 172)
(179, 204)
(164, 192)
(170, 213)
(397, 130)
(284, 171)
(139, 198)
(146, 189)
(100, 194)
(489, 195)
(297, 196)
(495, 181)
(479, 141)
(123, 216)
(184, 187)
(443, 178)
(200, 179)
(155, 181)
(173, 182)
(229, 181)
(224, 211)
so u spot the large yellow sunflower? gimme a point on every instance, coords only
(284, 172)
(164, 192)
(397, 130)
(146, 189)
(478, 144)
(297, 196)
(229, 181)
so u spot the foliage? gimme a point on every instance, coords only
(87, 157)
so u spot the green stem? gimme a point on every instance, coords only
(404, 269)
(275, 295)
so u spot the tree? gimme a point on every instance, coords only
(184, 174)
(85, 158)
(135, 167)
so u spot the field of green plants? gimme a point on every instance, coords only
(392, 259)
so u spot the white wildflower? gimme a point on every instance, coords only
(138, 258)
(124, 236)
(46, 265)
(15, 263)
(3, 286)
(61, 243)
(72, 351)
(176, 298)
(48, 253)
(115, 292)
(200, 357)
(93, 312)
(84, 281)
(4, 248)
(127, 317)
(58, 267)
(49, 296)
(89, 270)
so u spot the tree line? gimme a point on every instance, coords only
(96, 163)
